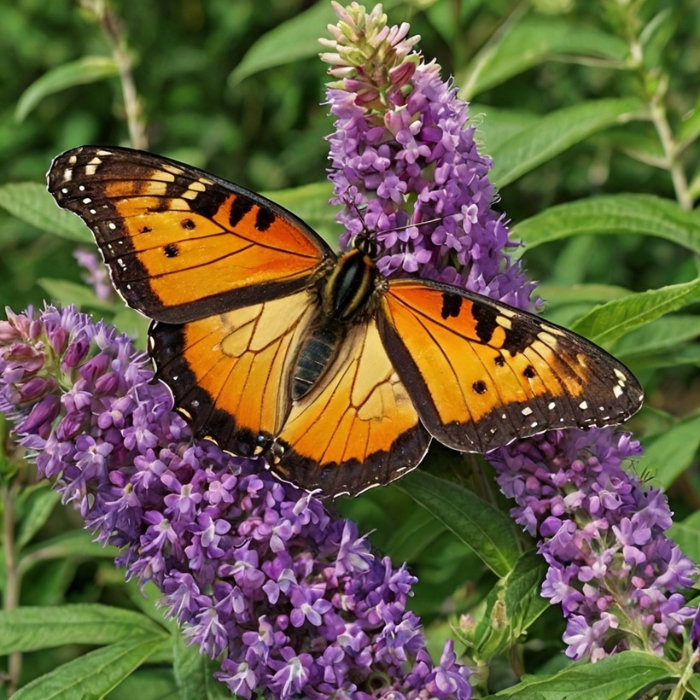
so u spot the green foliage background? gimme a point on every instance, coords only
(591, 112)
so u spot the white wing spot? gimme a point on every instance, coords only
(526, 411)
(583, 405)
(68, 174)
(87, 200)
(81, 188)
(551, 405)
(621, 377)
(104, 153)
(64, 190)
(73, 160)
(504, 416)
(617, 390)
(533, 425)
(111, 225)
(92, 211)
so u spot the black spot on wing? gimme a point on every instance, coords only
(479, 387)
(264, 219)
(171, 250)
(451, 305)
(518, 337)
(486, 322)
(240, 207)
(187, 224)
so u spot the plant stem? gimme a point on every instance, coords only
(133, 110)
(11, 600)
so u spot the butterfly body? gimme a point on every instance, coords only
(273, 345)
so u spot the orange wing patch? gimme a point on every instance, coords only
(230, 372)
(180, 243)
(358, 427)
(483, 374)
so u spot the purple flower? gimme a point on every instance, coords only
(611, 566)
(96, 274)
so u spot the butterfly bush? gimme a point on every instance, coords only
(405, 164)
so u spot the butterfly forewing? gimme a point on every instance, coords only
(180, 243)
(482, 373)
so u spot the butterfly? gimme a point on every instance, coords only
(274, 345)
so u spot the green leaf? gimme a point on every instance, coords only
(31, 202)
(555, 295)
(532, 41)
(665, 333)
(293, 40)
(553, 133)
(479, 525)
(194, 673)
(616, 677)
(31, 628)
(688, 354)
(511, 607)
(607, 323)
(88, 69)
(414, 534)
(669, 454)
(94, 674)
(615, 213)
(73, 543)
(687, 535)
(690, 126)
(41, 505)
(66, 292)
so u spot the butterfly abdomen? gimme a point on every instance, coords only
(315, 356)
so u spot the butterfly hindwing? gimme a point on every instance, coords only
(180, 243)
(230, 372)
(483, 373)
(357, 427)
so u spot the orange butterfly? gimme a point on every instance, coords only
(272, 344)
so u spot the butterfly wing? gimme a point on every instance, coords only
(182, 244)
(229, 373)
(482, 373)
(357, 427)
(231, 378)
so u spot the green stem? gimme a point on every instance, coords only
(133, 110)
(12, 577)
(679, 691)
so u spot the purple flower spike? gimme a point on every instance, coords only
(611, 566)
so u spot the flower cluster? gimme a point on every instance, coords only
(601, 530)
(404, 163)
(256, 570)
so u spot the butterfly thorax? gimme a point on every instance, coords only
(346, 295)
